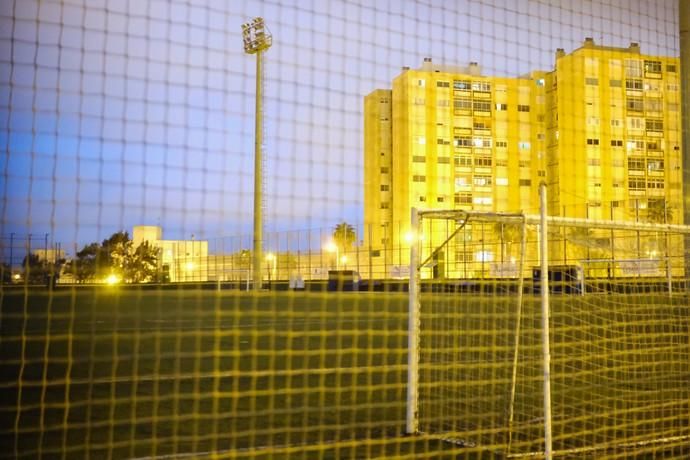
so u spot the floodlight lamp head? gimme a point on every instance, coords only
(256, 36)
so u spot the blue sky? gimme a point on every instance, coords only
(116, 113)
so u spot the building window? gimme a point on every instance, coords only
(615, 122)
(440, 199)
(653, 145)
(418, 178)
(462, 181)
(592, 141)
(592, 81)
(422, 198)
(656, 165)
(463, 161)
(463, 198)
(523, 108)
(654, 104)
(524, 163)
(615, 83)
(462, 85)
(419, 101)
(418, 159)
(635, 123)
(655, 125)
(635, 144)
(443, 160)
(652, 68)
(541, 173)
(523, 145)
(501, 162)
(672, 87)
(481, 181)
(421, 140)
(481, 106)
(637, 183)
(462, 141)
(616, 143)
(633, 68)
(501, 107)
(593, 162)
(634, 84)
(384, 169)
(670, 68)
(385, 187)
(482, 142)
(385, 205)
(443, 103)
(421, 83)
(483, 200)
(655, 183)
(484, 86)
(503, 144)
(635, 104)
(482, 161)
(525, 182)
(636, 164)
(481, 124)
(593, 121)
(462, 104)
(443, 84)
(501, 181)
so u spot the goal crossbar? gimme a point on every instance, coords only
(535, 219)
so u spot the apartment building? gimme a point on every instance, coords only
(614, 135)
(602, 129)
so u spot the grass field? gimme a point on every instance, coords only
(108, 373)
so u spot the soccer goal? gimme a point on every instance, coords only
(591, 359)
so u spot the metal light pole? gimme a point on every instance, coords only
(257, 39)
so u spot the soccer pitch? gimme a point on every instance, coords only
(117, 373)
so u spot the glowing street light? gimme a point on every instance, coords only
(257, 39)
(332, 247)
(271, 259)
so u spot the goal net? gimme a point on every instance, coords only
(619, 320)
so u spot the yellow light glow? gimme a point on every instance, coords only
(410, 237)
(17, 276)
(270, 257)
(112, 279)
(189, 266)
(331, 247)
(343, 259)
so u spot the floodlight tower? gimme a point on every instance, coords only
(257, 39)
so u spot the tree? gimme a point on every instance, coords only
(659, 212)
(117, 255)
(84, 267)
(35, 269)
(344, 236)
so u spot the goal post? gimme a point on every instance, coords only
(618, 362)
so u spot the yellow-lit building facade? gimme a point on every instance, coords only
(614, 132)
(602, 130)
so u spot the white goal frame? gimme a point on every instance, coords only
(540, 221)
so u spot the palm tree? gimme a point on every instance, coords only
(658, 212)
(344, 236)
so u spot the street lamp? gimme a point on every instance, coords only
(271, 259)
(257, 39)
(332, 247)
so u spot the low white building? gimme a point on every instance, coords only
(183, 260)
